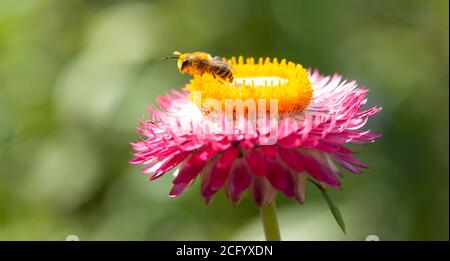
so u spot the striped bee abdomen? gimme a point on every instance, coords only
(222, 71)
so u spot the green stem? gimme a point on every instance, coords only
(270, 222)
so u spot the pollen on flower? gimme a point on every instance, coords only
(285, 81)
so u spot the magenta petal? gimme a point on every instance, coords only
(138, 160)
(163, 102)
(270, 151)
(257, 162)
(282, 179)
(228, 156)
(151, 164)
(240, 178)
(177, 189)
(302, 179)
(319, 171)
(218, 178)
(170, 164)
(278, 175)
(350, 159)
(291, 158)
(215, 179)
(348, 166)
(189, 171)
(262, 191)
(208, 194)
(291, 141)
(206, 190)
(286, 127)
(331, 148)
(194, 165)
(291, 185)
(220, 171)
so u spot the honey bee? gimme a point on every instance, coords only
(198, 63)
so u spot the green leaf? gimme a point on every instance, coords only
(333, 207)
(334, 210)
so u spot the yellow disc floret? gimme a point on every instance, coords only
(285, 81)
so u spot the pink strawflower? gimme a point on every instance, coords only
(312, 135)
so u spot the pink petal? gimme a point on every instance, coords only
(194, 165)
(350, 159)
(220, 171)
(331, 148)
(291, 141)
(291, 185)
(278, 175)
(318, 171)
(257, 162)
(177, 189)
(270, 151)
(207, 193)
(170, 164)
(240, 178)
(291, 158)
(262, 191)
(348, 166)
(286, 127)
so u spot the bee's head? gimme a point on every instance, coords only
(184, 60)
(183, 64)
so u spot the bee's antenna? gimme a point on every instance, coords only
(175, 55)
(169, 57)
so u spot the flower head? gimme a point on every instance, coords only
(273, 127)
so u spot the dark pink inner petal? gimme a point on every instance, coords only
(170, 164)
(194, 165)
(291, 141)
(270, 151)
(291, 158)
(262, 191)
(178, 189)
(350, 159)
(240, 178)
(278, 175)
(318, 170)
(220, 171)
(257, 162)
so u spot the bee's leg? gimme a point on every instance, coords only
(217, 78)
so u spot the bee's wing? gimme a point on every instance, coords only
(221, 59)
(217, 58)
(217, 62)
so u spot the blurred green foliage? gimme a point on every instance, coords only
(75, 76)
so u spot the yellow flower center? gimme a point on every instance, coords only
(285, 81)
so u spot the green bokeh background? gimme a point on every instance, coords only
(76, 75)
